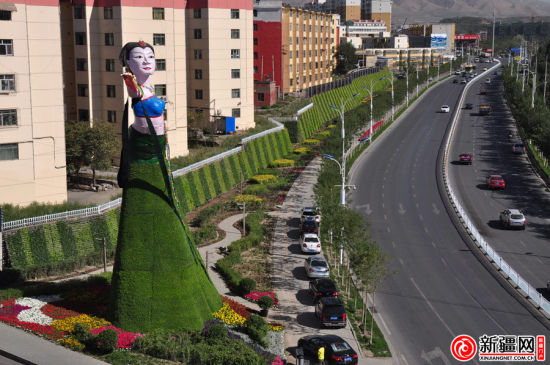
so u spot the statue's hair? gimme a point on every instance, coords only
(125, 51)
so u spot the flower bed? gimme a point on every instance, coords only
(255, 295)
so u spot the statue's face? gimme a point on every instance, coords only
(142, 61)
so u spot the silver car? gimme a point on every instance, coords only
(512, 218)
(316, 267)
(310, 243)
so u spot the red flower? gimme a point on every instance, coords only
(237, 307)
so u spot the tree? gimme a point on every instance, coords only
(346, 58)
(101, 144)
(75, 146)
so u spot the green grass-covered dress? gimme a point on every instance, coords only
(159, 279)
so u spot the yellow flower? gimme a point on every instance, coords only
(331, 126)
(229, 316)
(68, 324)
(248, 199)
(324, 133)
(302, 150)
(71, 343)
(282, 162)
(262, 179)
(312, 141)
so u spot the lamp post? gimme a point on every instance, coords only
(407, 95)
(371, 90)
(343, 165)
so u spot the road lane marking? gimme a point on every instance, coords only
(388, 229)
(393, 244)
(401, 262)
(433, 244)
(385, 217)
(421, 217)
(444, 262)
(401, 210)
(432, 307)
(435, 210)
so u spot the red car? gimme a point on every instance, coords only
(495, 182)
(465, 158)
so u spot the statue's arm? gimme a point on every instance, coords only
(131, 84)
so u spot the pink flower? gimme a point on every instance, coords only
(255, 295)
(125, 339)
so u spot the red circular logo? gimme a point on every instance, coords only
(463, 348)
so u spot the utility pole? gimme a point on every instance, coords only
(493, 47)
(534, 84)
(544, 84)
(1, 244)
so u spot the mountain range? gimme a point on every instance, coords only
(421, 11)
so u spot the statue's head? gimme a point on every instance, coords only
(139, 58)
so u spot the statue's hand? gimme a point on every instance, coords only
(131, 84)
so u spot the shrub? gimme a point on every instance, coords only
(256, 189)
(265, 302)
(9, 277)
(330, 126)
(106, 341)
(257, 328)
(252, 200)
(81, 332)
(246, 285)
(205, 234)
(164, 344)
(216, 332)
(302, 150)
(283, 162)
(312, 142)
(325, 133)
(262, 179)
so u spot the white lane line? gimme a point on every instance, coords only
(523, 243)
(384, 324)
(385, 217)
(383, 186)
(388, 229)
(403, 359)
(426, 230)
(433, 244)
(432, 307)
(383, 205)
(401, 262)
(416, 205)
(393, 244)
(444, 262)
(421, 217)
(414, 196)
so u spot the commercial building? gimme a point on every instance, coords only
(355, 9)
(32, 132)
(395, 58)
(442, 35)
(380, 10)
(355, 31)
(293, 48)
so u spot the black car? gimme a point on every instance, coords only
(331, 312)
(309, 227)
(455, 81)
(322, 288)
(337, 351)
(468, 106)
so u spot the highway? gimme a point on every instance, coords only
(440, 289)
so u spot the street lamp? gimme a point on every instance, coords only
(371, 90)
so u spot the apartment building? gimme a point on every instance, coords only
(380, 10)
(32, 135)
(347, 9)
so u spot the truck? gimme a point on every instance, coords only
(484, 109)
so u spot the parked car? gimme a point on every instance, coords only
(331, 311)
(465, 158)
(512, 218)
(310, 214)
(337, 350)
(321, 288)
(468, 106)
(310, 243)
(316, 267)
(518, 147)
(495, 182)
(445, 109)
(309, 227)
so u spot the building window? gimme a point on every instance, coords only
(290, 68)
(255, 13)
(109, 39)
(159, 39)
(111, 116)
(235, 73)
(198, 54)
(111, 91)
(82, 90)
(108, 12)
(7, 82)
(255, 55)
(236, 113)
(198, 74)
(197, 13)
(9, 151)
(161, 64)
(291, 81)
(5, 15)
(235, 34)
(290, 54)
(261, 97)
(255, 69)
(235, 93)
(160, 89)
(80, 38)
(197, 33)
(255, 26)
(158, 13)
(78, 11)
(6, 47)
(81, 64)
(234, 13)
(235, 53)
(8, 117)
(83, 115)
(198, 94)
(110, 65)
(255, 41)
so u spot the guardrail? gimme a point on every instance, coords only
(116, 203)
(519, 282)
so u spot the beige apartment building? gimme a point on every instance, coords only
(309, 41)
(32, 136)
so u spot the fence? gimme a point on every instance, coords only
(352, 75)
(116, 203)
(513, 276)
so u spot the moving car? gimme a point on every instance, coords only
(455, 81)
(518, 147)
(484, 68)
(468, 106)
(310, 243)
(457, 72)
(483, 92)
(316, 267)
(331, 311)
(488, 81)
(512, 218)
(465, 158)
(495, 182)
(463, 81)
(309, 227)
(337, 351)
(445, 109)
(321, 288)
(310, 214)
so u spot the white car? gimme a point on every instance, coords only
(445, 109)
(488, 81)
(310, 243)
(512, 218)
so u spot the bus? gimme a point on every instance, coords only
(469, 68)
